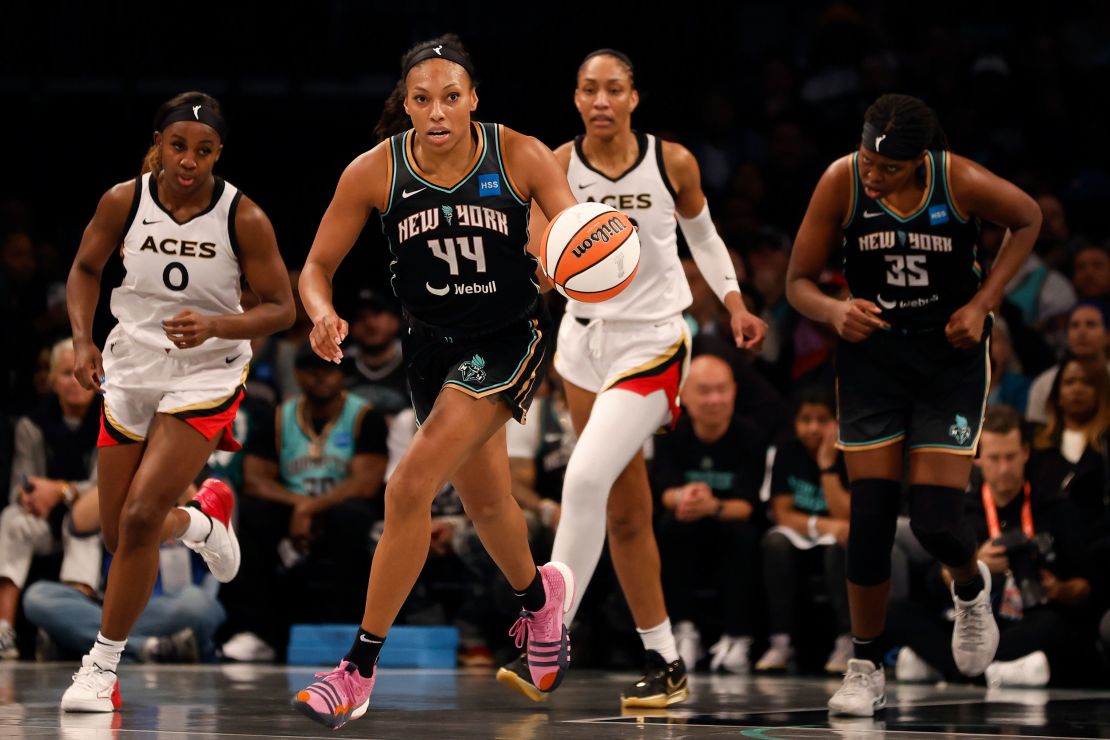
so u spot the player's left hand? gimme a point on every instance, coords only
(748, 330)
(188, 329)
(965, 327)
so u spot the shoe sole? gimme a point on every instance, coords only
(568, 579)
(97, 706)
(519, 685)
(879, 703)
(330, 720)
(568, 598)
(657, 701)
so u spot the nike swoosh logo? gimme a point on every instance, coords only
(362, 638)
(587, 185)
(885, 304)
(872, 214)
(407, 194)
(148, 223)
(437, 291)
(230, 360)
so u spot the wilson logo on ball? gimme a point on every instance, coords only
(590, 252)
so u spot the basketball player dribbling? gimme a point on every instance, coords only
(172, 369)
(912, 367)
(453, 195)
(623, 360)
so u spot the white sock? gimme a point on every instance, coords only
(200, 526)
(106, 653)
(620, 422)
(660, 639)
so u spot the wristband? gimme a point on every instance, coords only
(829, 470)
(812, 525)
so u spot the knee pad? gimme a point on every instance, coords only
(937, 521)
(874, 519)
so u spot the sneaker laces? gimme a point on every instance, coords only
(972, 627)
(856, 682)
(344, 678)
(85, 676)
(519, 630)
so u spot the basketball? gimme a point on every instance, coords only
(590, 252)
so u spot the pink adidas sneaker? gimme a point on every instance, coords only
(544, 632)
(340, 696)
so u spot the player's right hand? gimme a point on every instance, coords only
(328, 332)
(854, 320)
(88, 366)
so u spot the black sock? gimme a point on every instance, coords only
(968, 590)
(364, 652)
(868, 650)
(534, 597)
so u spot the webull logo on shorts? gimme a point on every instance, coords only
(607, 231)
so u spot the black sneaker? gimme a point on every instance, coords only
(662, 684)
(515, 675)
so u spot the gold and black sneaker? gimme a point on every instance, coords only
(515, 675)
(662, 684)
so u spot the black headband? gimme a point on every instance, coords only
(440, 51)
(199, 112)
(890, 144)
(613, 53)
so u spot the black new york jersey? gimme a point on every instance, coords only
(919, 267)
(459, 253)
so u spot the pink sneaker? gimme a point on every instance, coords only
(340, 696)
(544, 631)
(221, 550)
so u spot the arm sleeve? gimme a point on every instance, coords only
(710, 253)
(370, 437)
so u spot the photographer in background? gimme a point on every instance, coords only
(1032, 546)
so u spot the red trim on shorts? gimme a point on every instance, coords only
(110, 436)
(667, 380)
(216, 420)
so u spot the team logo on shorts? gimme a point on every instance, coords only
(960, 431)
(474, 370)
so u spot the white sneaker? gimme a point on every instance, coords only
(841, 653)
(975, 636)
(247, 647)
(912, 668)
(778, 656)
(1030, 671)
(688, 642)
(731, 654)
(8, 648)
(220, 549)
(863, 690)
(92, 690)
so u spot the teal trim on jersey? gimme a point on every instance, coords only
(948, 190)
(460, 183)
(928, 200)
(857, 189)
(842, 443)
(975, 260)
(299, 472)
(501, 162)
(512, 375)
(392, 175)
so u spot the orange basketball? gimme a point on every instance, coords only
(590, 252)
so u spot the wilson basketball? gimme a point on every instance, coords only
(590, 252)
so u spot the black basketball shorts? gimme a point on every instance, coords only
(917, 389)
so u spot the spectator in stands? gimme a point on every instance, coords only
(1088, 338)
(1009, 385)
(809, 505)
(1043, 296)
(372, 363)
(1091, 272)
(178, 624)
(1073, 448)
(707, 474)
(1031, 544)
(54, 463)
(309, 475)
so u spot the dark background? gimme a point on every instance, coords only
(764, 93)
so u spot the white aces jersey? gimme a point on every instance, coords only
(659, 289)
(173, 266)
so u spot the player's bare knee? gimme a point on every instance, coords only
(407, 495)
(140, 521)
(627, 523)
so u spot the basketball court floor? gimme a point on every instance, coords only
(240, 701)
